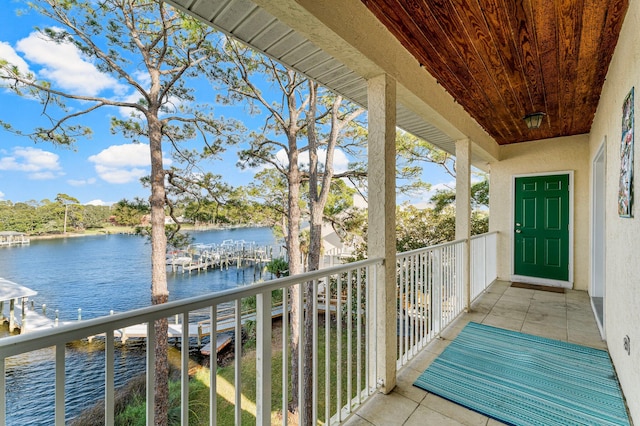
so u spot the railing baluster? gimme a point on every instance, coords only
(405, 310)
(339, 349)
(301, 331)
(263, 358)
(3, 392)
(109, 366)
(151, 372)
(315, 353)
(359, 272)
(213, 365)
(420, 284)
(237, 361)
(438, 285)
(285, 356)
(349, 313)
(414, 305)
(371, 331)
(184, 373)
(461, 274)
(327, 352)
(60, 376)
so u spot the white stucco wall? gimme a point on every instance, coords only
(546, 156)
(622, 282)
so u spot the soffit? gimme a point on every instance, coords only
(254, 26)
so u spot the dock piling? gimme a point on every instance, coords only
(12, 317)
(23, 319)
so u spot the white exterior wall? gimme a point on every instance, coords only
(622, 272)
(546, 156)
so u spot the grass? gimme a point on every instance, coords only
(130, 409)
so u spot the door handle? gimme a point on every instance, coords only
(518, 231)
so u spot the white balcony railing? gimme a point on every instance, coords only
(431, 291)
(341, 313)
(343, 338)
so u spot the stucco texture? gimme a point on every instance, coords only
(547, 156)
(622, 271)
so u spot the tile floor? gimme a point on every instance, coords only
(562, 316)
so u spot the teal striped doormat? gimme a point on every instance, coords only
(521, 379)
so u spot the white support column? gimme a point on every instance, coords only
(463, 210)
(382, 218)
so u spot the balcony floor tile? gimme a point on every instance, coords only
(566, 317)
(388, 410)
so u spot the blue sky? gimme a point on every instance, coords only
(105, 168)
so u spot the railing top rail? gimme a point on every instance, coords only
(437, 246)
(39, 339)
(473, 237)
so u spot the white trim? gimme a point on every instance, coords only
(598, 230)
(536, 280)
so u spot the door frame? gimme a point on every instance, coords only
(536, 280)
(598, 231)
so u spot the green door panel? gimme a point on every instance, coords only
(542, 227)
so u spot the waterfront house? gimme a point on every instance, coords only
(463, 77)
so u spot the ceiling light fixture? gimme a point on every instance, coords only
(534, 120)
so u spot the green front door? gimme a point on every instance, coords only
(541, 227)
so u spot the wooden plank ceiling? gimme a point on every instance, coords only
(503, 59)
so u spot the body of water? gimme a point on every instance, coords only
(98, 274)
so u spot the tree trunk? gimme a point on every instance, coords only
(295, 267)
(159, 291)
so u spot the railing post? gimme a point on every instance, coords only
(263, 358)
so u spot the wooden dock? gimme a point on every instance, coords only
(202, 257)
(14, 309)
(198, 330)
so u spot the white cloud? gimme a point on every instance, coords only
(43, 176)
(422, 198)
(98, 203)
(65, 65)
(1, 195)
(123, 163)
(81, 182)
(120, 175)
(9, 54)
(41, 165)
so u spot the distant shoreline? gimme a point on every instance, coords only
(131, 230)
